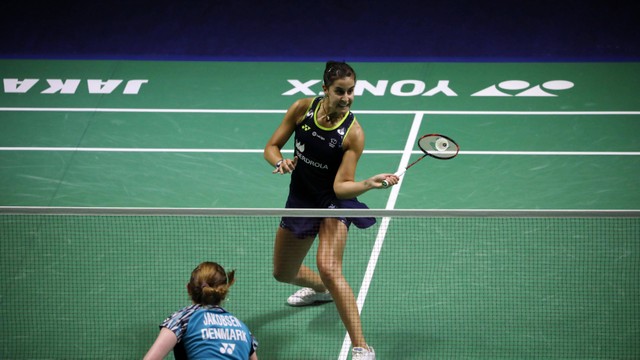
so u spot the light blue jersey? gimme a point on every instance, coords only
(210, 332)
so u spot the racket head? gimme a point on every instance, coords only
(439, 146)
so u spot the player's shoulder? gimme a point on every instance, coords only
(355, 137)
(355, 128)
(299, 109)
(301, 105)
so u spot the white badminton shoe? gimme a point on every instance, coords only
(359, 353)
(308, 296)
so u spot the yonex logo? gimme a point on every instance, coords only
(227, 348)
(306, 127)
(443, 87)
(523, 88)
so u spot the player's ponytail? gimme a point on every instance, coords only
(209, 284)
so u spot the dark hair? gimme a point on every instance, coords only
(209, 283)
(337, 70)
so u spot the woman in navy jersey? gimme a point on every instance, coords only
(328, 143)
(204, 330)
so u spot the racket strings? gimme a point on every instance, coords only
(438, 146)
(434, 145)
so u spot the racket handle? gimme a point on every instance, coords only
(385, 184)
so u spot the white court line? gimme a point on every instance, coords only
(271, 111)
(382, 230)
(259, 151)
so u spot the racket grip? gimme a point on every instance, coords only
(385, 184)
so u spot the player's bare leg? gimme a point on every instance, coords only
(333, 239)
(288, 255)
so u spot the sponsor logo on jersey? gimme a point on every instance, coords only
(306, 160)
(315, 134)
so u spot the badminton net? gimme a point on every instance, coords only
(93, 283)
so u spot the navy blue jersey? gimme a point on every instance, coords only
(210, 332)
(319, 151)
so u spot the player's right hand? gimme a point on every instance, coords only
(287, 166)
(389, 180)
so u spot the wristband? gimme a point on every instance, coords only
(279, 163)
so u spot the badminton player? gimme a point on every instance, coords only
(204, 330)
(328, 144)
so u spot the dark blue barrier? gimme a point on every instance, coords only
(319, 30)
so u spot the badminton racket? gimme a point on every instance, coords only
(434, 145)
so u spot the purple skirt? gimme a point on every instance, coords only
(304, 227)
